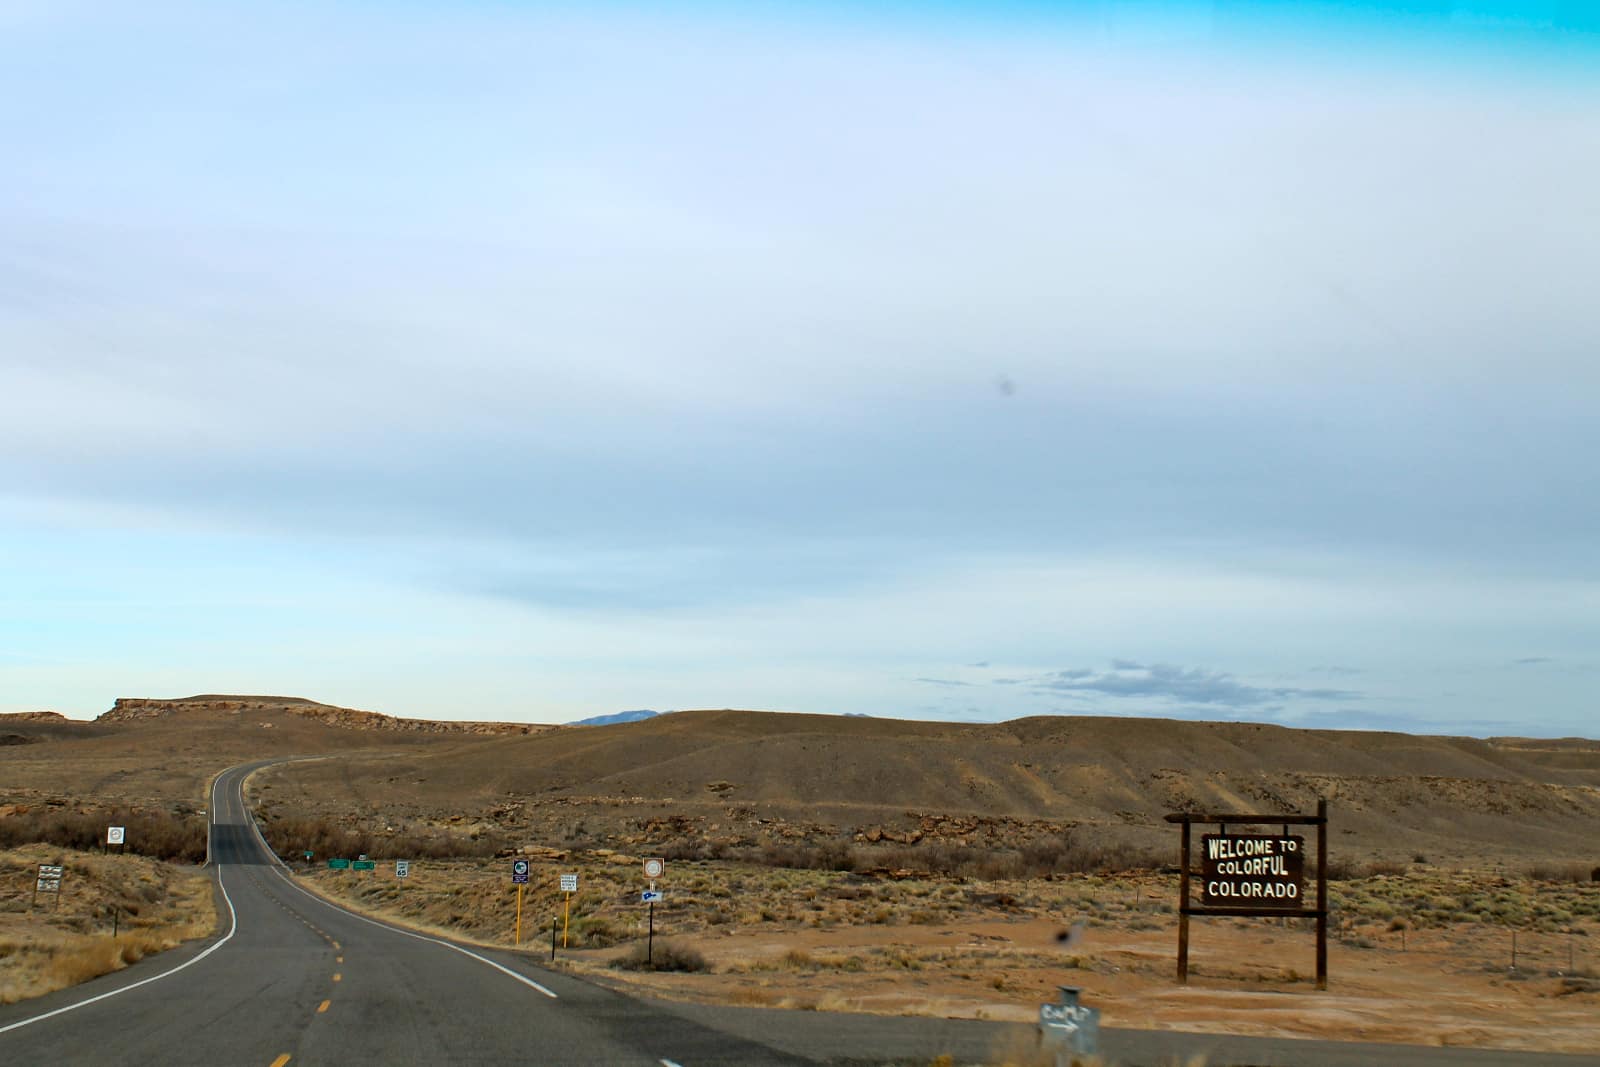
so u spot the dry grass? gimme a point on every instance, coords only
(177, 834)
(46, 946)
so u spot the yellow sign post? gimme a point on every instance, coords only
(569, 886)
(519, 916)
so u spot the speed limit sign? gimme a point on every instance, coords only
(519, 872)
(653, 869)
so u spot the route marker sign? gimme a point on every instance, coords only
(308, 854)
(519, 872)
(364, 865)
(653, 869)
(650, 896)
(116, 835)
(339, 865)
(569, 883)
(402, 868)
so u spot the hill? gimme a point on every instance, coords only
(612, 720)
(750, 776)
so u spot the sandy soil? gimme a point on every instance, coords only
(1448, 984)
(1433, 993)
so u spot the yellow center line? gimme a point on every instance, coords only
(338, 959)
(337, 977)
(281, 1060)
(323, 1006)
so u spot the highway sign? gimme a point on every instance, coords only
(364, 865)
(47, 885)
(569, 883)
(519, 872)
(653, 869)
(650, 896)
(339, 865)
(402, 868)
(116, 835)
(51, 870)
(308, 855)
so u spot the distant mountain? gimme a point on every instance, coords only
(621, 716)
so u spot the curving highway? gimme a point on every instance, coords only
(293, 979)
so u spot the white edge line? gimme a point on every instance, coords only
(669, 1063)
(233, 926)
(283, 874)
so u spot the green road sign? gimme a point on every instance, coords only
(339, 865)
(364, 865)
(309, 854)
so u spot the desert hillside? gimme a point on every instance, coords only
(745, 777)
(158, 752)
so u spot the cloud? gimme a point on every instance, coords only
(1398, 722)
(949, 682)
(1526, 661)
(1128, 679)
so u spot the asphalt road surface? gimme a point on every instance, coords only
(293, 980)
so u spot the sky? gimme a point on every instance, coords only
(944, 361)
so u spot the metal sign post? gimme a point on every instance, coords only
(1253, 875)
(48, 881)
(519, 878)
(653, 869)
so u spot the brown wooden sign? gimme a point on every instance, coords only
(1252, 870)
(1252, 874)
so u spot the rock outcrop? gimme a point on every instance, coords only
(137, 709)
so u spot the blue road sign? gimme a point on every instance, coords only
(519, 872)
(650, 896)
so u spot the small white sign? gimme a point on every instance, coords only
(50, 870)
(569, 883)
(650, 896)
(402, 868)
(115, 835)
(48, 885)
(653, 869)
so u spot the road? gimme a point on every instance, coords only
(293, 980)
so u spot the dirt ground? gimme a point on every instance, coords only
(994, 953)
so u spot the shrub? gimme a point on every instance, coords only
(667, 956)
(160, 834)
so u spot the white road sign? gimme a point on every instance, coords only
(402, 868)
(569, 883)
(650, 896)
(48, 885)
(115, 835)
(51, 870)
(653, 869)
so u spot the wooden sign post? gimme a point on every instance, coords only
(1253, 875)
